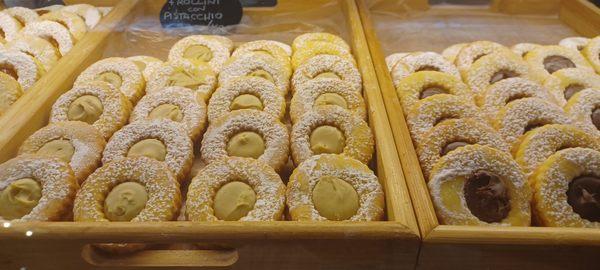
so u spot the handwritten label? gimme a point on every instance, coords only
(218, 13)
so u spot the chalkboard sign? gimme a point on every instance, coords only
(181, 13)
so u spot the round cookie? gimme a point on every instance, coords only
(174, 103)
(393, 59)
(475, 50)
(21, 66)
(424, 61)
(331, 130)
(592, 53)
(9, 26)
(453, 134)
(565, 83)
(575, 43)
(198, 78)
(247, 133)
(312, 49)
(257, 65)
(159, 139)
(121, 73)
(546, 60)
(236, 188)
(423, 84)
(198, 49)
(76, 143)
(327, 66)
(74, 23)
(303, 41)
(566, 189)
(22, 14)
(246, 92)
(146, 65)
(480, 185)
(54, 32)
(492, 68)
(34, 188)
(268, 48)
(37, 47)
(90, 14)
(451, 52)
(521, 49)
(334, 187)
(10, 91)
(584, 107)
(95, 103)
(499, 94)
(324, 92)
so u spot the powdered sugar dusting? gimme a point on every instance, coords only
(133, 83)
(220, 53)
(53, 30)
(316, 65)
(24, 65)
(244, 65)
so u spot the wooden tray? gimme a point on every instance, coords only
(412, 25)
(234, 245)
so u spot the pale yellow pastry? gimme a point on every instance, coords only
(22, 14)
(566, 189)
(521, 49)
(128, 190)
(121, 73)
(96, 103)
(35, 188)
(9, 26)
(90, 14)
(10, 91)
(499, 94)
(247, 133)
(475, 50)
(453, 134)
(257, 65)
(146, 64)
(328, 66)
(303, 41)
(423, 84)
(592, 53)
(74, 142)
(200, 49)
(312, 49)
(480, 185)
(323, 92)
(393, 59)
(75, 24)
(54, 32)
(576, 43)
(492, 68)
(584, 107)
(246, 92)
(41, 49)
(225, 41)
(546, 60)
(331, 130)
(451, 52)
(423, 61)
(236, 189)
(526, 114)
(21, 66)
(336, 188)
(565, 83)
(174, 103)
(159, 139)
(269, 48)
(46, 9)
(198, 78)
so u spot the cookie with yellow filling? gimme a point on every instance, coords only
(41, 49)
(423, 84)
(128, 190)
(75, 24)
(174, 103)
(429, 112)
(54, 32)
(475, 50)
(236, 189)
(499, 94)
(546, 60)
(323, 92)
(584, 107)
(268, 48)
(492, 68)
(146, 65)
(90, 14)
(35, 188)
(158, 139)
(21, 66)
(566, 189)
(331, 130)
(592, 53)
(523, 115)
(565, 83)
(327, 66)
(521, 49)
(257, 65)
(9, 26)
(453, 134)
(336, 188)
(480, 185)
(312, 49)
(22, 14)
(539, 144)
(10, 91)
(198, 78)
(96, 103)
(451, 52)
(198, 49)
(576, 43)
(246, 92)
(303, 41)
(424, 61)
(121, 73)
(74, 142)
(247, 133)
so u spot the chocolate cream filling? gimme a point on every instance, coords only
(452, 146)
(596, 118)
(487, 197)
(584, 196)
(501, 75)
(555, 63)
(431, 91)
(572, 89)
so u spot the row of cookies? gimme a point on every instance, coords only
(32, 42)
(491, 126)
